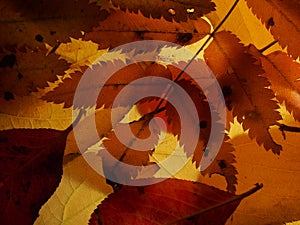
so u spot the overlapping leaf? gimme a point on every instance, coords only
(244, 88)
(283, 19)
(163, 203)
(31, 169)
(124, 27)
(24, 71)
(64, 93)
(168, 9)
(33, 23)
(284, 74)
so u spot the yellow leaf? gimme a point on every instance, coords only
(80, 191)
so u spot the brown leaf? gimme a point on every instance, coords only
(244, 89)
(64, 92)
(125, 152)
(163, 203)
(33, 23)
(124, 27)
(24, 71)
(31, 169)
(168, 9)
(283, 19)
(223, 165)
(283, 73)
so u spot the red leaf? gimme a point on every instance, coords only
(31, 169)
(168, 9)
(244, 87)
(64, 92)
(124, 27)
(165, 202)
(283, 73)
(282, 18)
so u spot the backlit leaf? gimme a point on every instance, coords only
(168, 9)
(163, 203)
(282, 18)
(284, 74)
(124, 27)
(244, 88)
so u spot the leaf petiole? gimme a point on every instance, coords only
(237, 198)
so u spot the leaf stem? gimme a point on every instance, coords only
(283, 128)
(158, 108)
(200, 49)
(268, 46)
(234, 199)
(76, 121)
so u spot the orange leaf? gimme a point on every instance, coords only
(223, 165)
(283, 19)
(244, 88)
(283, 73)
(124, 152)
(124, 27)
(64, 92)
(168, 9)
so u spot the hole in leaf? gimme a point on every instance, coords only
(190, 11)
(172, 11)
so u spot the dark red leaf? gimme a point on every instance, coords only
(31, 169)
(165, 202)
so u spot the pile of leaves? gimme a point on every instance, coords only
(36, 59)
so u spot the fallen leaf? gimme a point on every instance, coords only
(25, 71)
(282, 18)
(34, 23)
(79, 184)
(168, 9)
(164, 203)
(244, 88)
(124, 27)
(31, 168)
(284, 74)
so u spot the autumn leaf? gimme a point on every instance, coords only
(31, 169)
(283, 73)
(79, 183)
(168, 9)
(25, 71)
(126, 152)
(165, 202)
(64, 92)
(124, 27)
(244, 88)
(282, 18)
(34, 23)
(224, 165)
